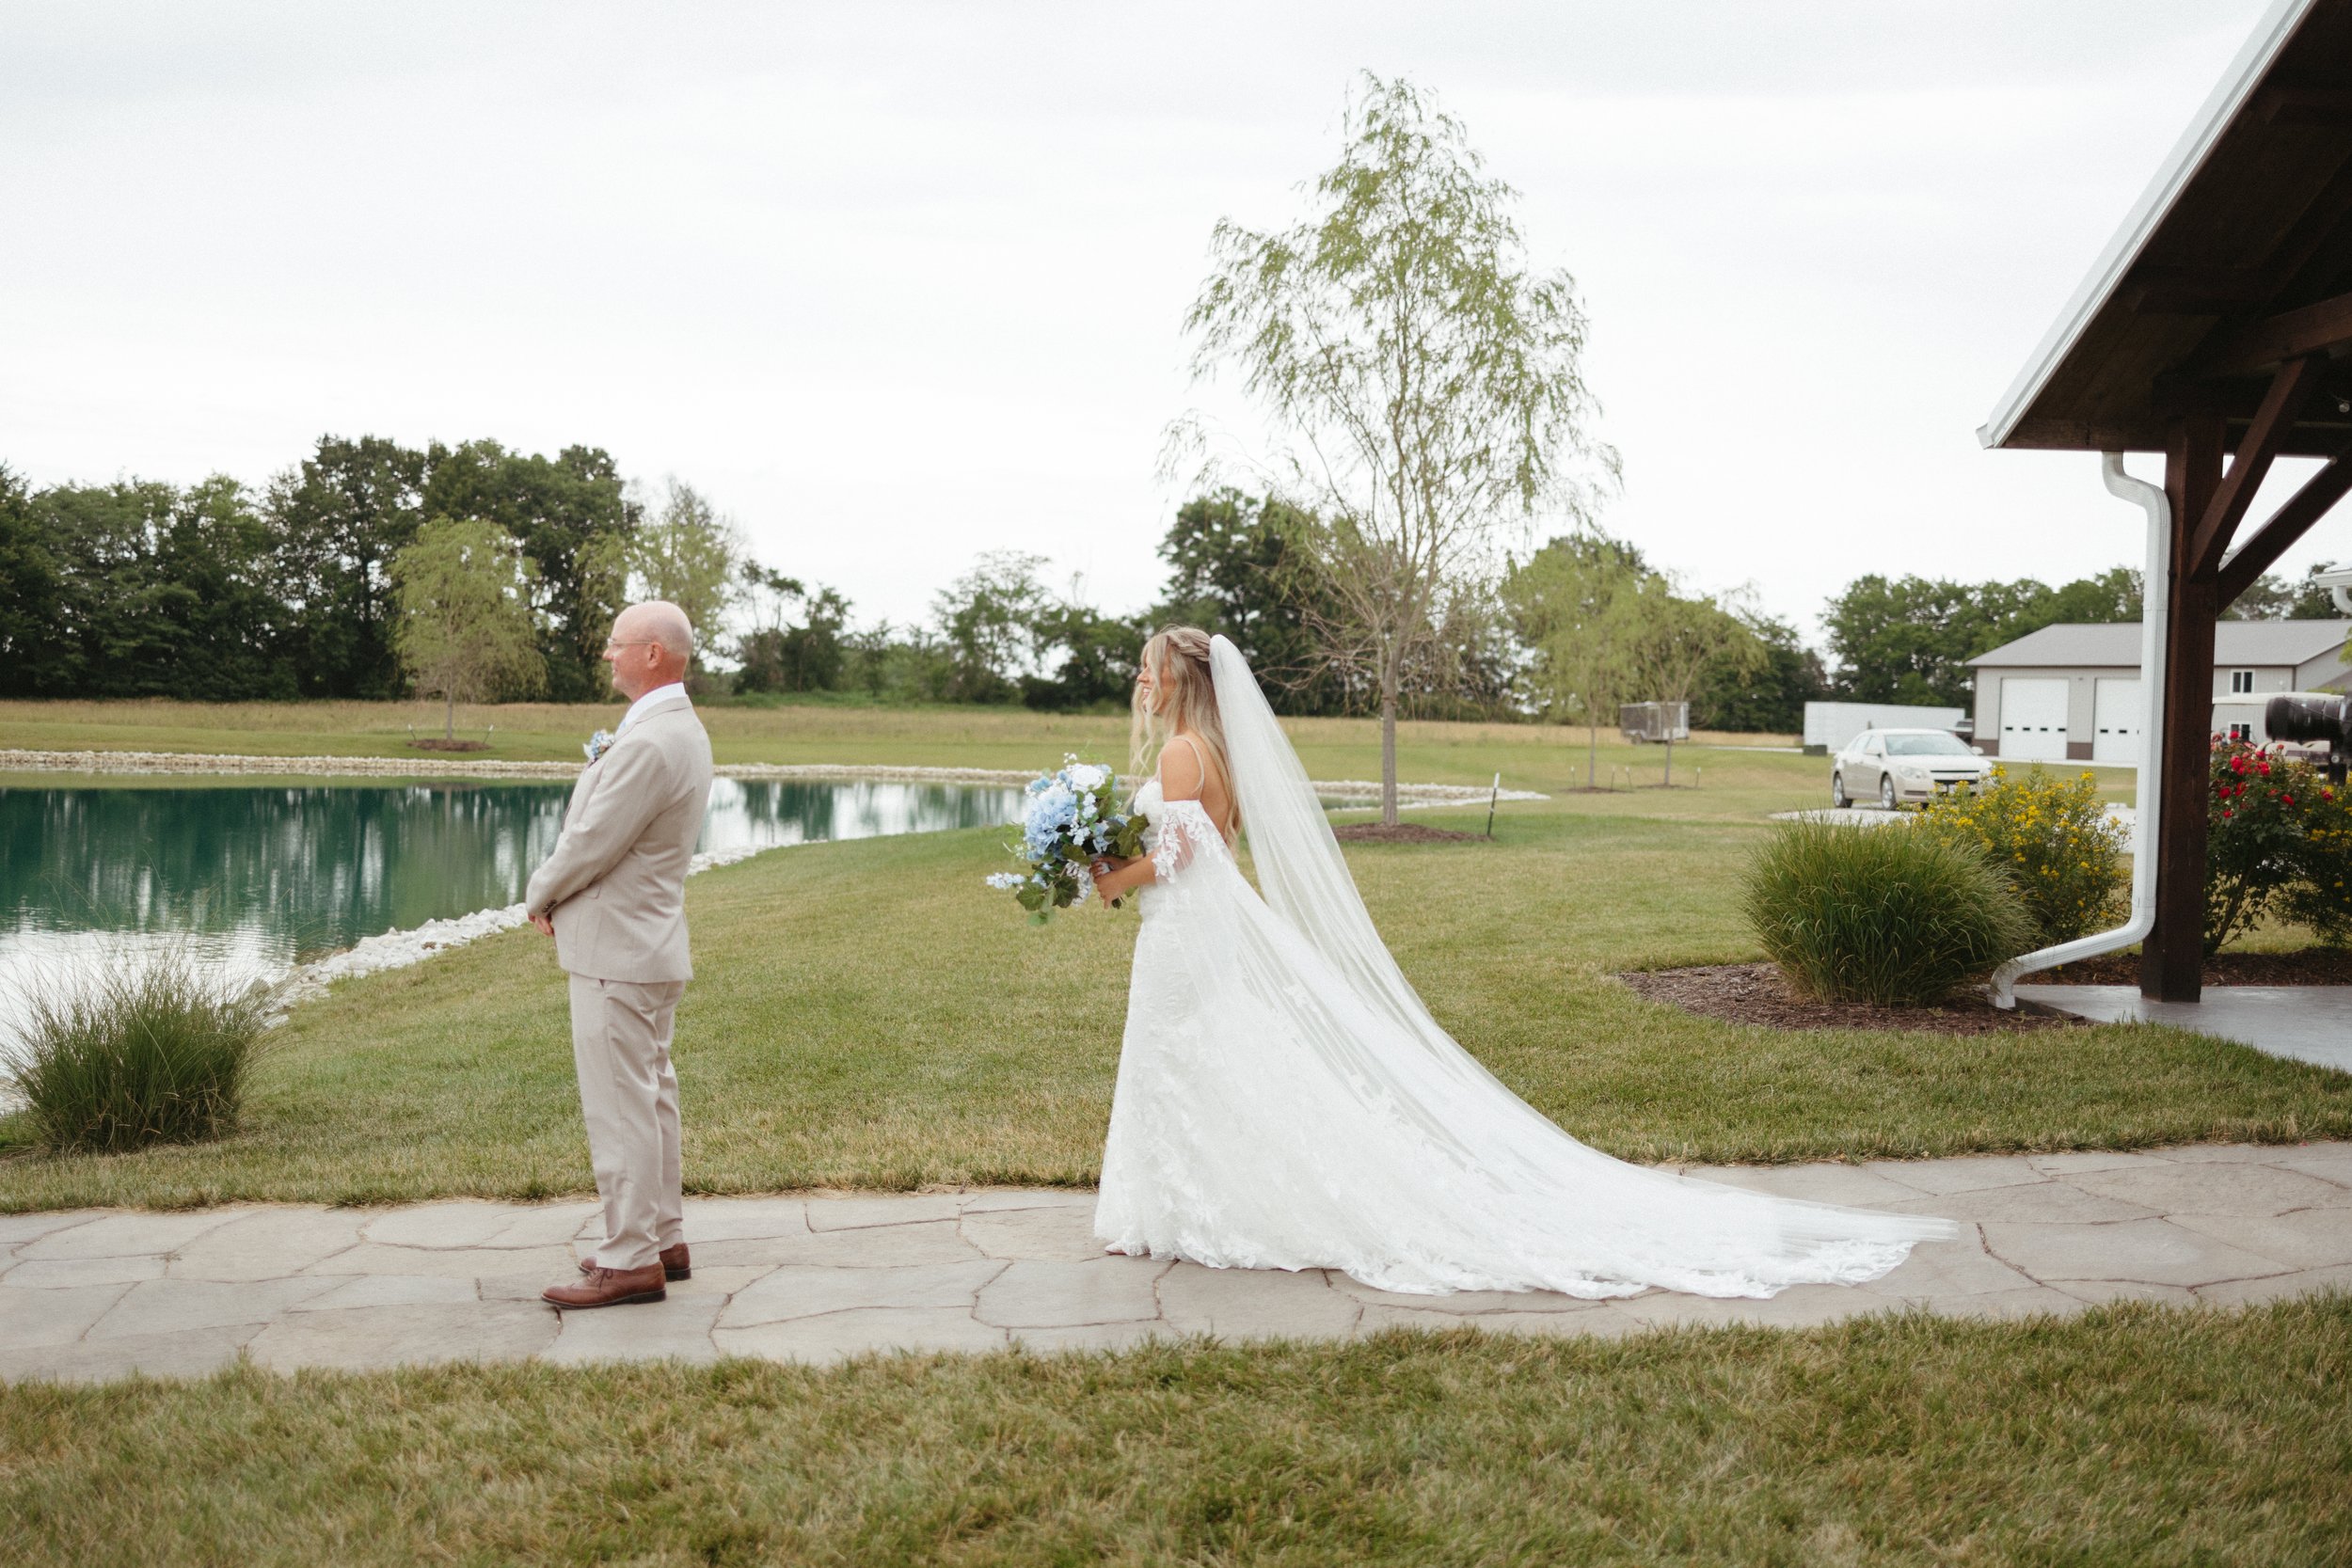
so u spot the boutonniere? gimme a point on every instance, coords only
(598, 744)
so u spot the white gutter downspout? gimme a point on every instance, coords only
(2155, 600)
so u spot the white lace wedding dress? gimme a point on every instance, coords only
(1285, 1101)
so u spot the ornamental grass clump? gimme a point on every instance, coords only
(2062, 852)
(121, 1055)
(1881, 914)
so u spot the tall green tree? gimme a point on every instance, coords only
(339, 517)
(35, 660)
(575, 519)
(1769, 697)
(2278, 598)
(798, 639)
(218, 601)
(1908, 640)
(987, 620)
(465, 633)
(1563, 604)
(1243, 566)
(1424, 381)
(687, 553)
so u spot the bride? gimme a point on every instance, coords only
(1286, 1101)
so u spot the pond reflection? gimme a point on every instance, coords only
(262, 874)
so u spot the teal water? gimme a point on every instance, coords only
(260, 875)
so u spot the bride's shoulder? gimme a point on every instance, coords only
(1183, 773)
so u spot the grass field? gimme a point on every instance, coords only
(867, 1014)
(2134, 1435)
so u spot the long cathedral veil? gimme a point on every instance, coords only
(1301, 873)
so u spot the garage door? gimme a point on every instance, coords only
(2033, 720)
(2115, 720)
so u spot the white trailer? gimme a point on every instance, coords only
(1829, 725)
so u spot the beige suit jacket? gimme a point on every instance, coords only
(616, 882)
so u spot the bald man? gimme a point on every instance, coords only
(614, 898)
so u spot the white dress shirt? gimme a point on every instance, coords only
(657, 695)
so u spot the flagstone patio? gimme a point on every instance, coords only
(101, 1294)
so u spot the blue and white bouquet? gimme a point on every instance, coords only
(1070, 821)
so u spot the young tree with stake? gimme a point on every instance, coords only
(1423, 382)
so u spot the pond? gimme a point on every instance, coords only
(257, 876)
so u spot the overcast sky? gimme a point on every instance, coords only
(897, 283)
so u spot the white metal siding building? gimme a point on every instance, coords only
(2071, 693)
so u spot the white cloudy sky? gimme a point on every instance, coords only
(896, 283)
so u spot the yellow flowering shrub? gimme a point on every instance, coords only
(2053, 837)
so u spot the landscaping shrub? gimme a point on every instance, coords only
(2321, 895)
(2278, 839)
(1881, 914)
(2056, 841)
(121, 1056)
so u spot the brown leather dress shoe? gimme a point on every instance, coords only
(609, 1287)
(675, 1263)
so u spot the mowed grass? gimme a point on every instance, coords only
(868, 1014)
(2134, 1435)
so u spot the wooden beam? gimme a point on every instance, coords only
(2289, 389)
(2330, 107)
(2319, 329)
(2171, 960)
(2153, 289)
(2289, 523)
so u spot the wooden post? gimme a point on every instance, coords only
(2172, 963)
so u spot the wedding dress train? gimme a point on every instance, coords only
(1285, 1101)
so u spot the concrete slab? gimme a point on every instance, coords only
(2148, 1252)
(270, 1243)
(34, 1320)
(847, 1211)
(2277, 1286)
(2303, 1023)
(2309, 1238)
(1037, 1294)
(839, 1336)
(1254, 1304)
(190, 1353)
(678, 1329)
(50, 1275)
(1961, 1173)
(1061, 1234)
(797, 1290)
(170, 1306)
(363, 1337)
(128, 1234)
(2220, 1189)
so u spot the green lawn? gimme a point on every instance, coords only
(2135, 1434)
(869, 1015)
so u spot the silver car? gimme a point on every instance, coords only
(1904, 764)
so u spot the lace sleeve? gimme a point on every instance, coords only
(1185, 834)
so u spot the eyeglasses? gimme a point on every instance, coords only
(616, 647)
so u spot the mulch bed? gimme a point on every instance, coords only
(435, 743)
(1403, 833)
(1758, 994)
(2313, 966)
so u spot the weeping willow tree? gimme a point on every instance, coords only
(462, 592)
(1421, 380)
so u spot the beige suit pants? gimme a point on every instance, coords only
(628, 1097)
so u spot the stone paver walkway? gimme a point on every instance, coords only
(99, 1293)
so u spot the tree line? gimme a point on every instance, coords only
(477, 572)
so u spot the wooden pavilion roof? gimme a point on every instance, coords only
(2229, 288)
